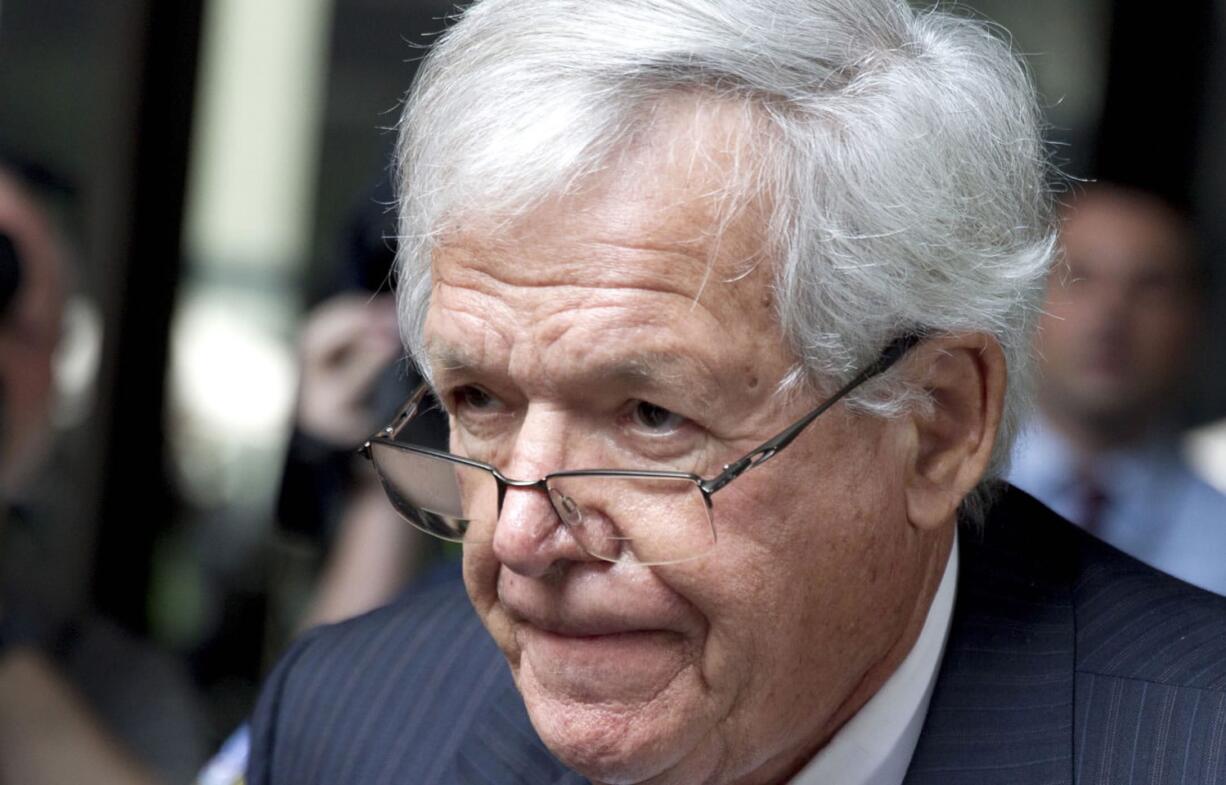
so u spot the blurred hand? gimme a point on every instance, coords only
(345, 345)
(374, 556)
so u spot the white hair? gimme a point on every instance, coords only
(900, 151)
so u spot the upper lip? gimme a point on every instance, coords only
(589, 624)
(578, 614)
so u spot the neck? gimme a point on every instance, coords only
(935, 564)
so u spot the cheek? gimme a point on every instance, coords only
(1062, 322)
(1051, 323)
(481, 582)
(1165, 333)
(800, 550)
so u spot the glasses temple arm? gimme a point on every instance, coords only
(765, 451)
(402, 418)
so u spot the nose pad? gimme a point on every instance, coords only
(568, 509)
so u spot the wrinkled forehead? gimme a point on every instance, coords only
(675, 209)
(658, 245)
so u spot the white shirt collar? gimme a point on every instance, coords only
(876, 745)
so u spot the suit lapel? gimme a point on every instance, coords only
(1002, 709)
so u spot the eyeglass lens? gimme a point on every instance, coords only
(649, 520)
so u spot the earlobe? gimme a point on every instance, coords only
(952, 439)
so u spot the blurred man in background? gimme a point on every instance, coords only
(1118, 337)
(80, 701)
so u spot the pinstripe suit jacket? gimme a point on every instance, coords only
(1067, 662)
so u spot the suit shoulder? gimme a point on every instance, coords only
(433, 614)
(1136, 622)
(1150, 674)
(353, 698)
(406, 639)
(1132, 621)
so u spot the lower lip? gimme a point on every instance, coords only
(600, 666)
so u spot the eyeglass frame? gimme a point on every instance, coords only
(759, 455)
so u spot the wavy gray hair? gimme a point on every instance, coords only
(900, 151)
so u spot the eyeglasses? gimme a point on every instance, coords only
(643, 517)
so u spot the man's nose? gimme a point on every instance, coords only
(530, 538)
(1109, 297)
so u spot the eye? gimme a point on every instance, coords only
(656, 419)
(473, 399)
(1076, 276)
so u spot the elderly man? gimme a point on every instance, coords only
(727, 302)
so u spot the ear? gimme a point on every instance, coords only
(951, 441)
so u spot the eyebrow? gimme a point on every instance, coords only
(647, 368)
(449, 358)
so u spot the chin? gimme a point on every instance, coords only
(618, 744)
